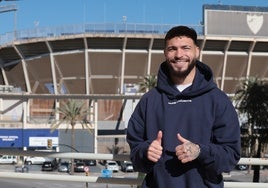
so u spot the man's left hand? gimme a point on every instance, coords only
(187, 151)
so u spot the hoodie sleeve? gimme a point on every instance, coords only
(137, 140)
(223, 152)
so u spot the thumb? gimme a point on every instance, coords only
(180, 138)
(159, 137)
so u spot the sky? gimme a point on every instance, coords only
(49, 13)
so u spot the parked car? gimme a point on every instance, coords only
(90, 162)
(49, 165)
(64, 167)
(265, 156)
(112, 165)
(127, 166)
(241, 167)
(8, 159)
(36, 160)
(80, 167)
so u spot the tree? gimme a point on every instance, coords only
(148, 83)
(72, 112)
(252, 101)
(115, 149)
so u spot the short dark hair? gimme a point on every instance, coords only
(181, 31)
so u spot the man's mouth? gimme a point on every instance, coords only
(180, 61)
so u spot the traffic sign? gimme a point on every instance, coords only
(86, 169)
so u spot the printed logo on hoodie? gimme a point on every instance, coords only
(180, 101)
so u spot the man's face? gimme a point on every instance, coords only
(181, 54)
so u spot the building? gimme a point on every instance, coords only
(102, 63)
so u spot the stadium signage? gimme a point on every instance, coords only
(254, 22)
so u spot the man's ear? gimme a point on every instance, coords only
(197, 54)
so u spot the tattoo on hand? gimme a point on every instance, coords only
(192, 150)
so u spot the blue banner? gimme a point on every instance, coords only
(18, 138)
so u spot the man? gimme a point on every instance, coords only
(185, 132)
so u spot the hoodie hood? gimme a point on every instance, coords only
(202, 83)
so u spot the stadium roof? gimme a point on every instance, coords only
(107, 59)
(236, 8)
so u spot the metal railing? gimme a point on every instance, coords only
(111, 180)
(116, 28)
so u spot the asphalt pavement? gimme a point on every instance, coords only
(246, 176)
(234, 176)
(93, 171)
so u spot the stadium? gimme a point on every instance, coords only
(103, 65)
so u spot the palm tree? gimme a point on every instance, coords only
(115, 149)
(252, 101)
(148, 83)
(72, 112)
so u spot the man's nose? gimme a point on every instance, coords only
(178, 53)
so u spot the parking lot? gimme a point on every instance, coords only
(93, 170)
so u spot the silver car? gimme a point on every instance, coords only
(127, 166)
(64, 167)
(112, 165)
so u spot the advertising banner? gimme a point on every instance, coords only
(18, 138)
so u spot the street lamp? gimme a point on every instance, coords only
(9, 8)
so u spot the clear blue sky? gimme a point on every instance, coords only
(45, 13)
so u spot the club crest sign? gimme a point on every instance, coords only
(255, 22)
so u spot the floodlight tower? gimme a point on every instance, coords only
(10, 8)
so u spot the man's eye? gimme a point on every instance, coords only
(186, 47)
(171, 49)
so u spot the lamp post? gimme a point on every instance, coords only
(10, 8)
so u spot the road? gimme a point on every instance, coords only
(94, 171)
(245, 176)
(237, 176)
(13, 183)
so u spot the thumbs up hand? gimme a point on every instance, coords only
(187, 151)
(155, 149)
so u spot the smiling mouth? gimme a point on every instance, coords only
(179, 61)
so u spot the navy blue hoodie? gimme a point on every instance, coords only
(201, 113)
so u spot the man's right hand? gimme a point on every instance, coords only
(155, 149)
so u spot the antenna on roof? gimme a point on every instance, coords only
(124, 18)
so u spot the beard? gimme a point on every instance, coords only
(180, 74)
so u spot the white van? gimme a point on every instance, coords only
(8, 159)
(36, 160)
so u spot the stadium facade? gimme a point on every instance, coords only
(103, 64)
